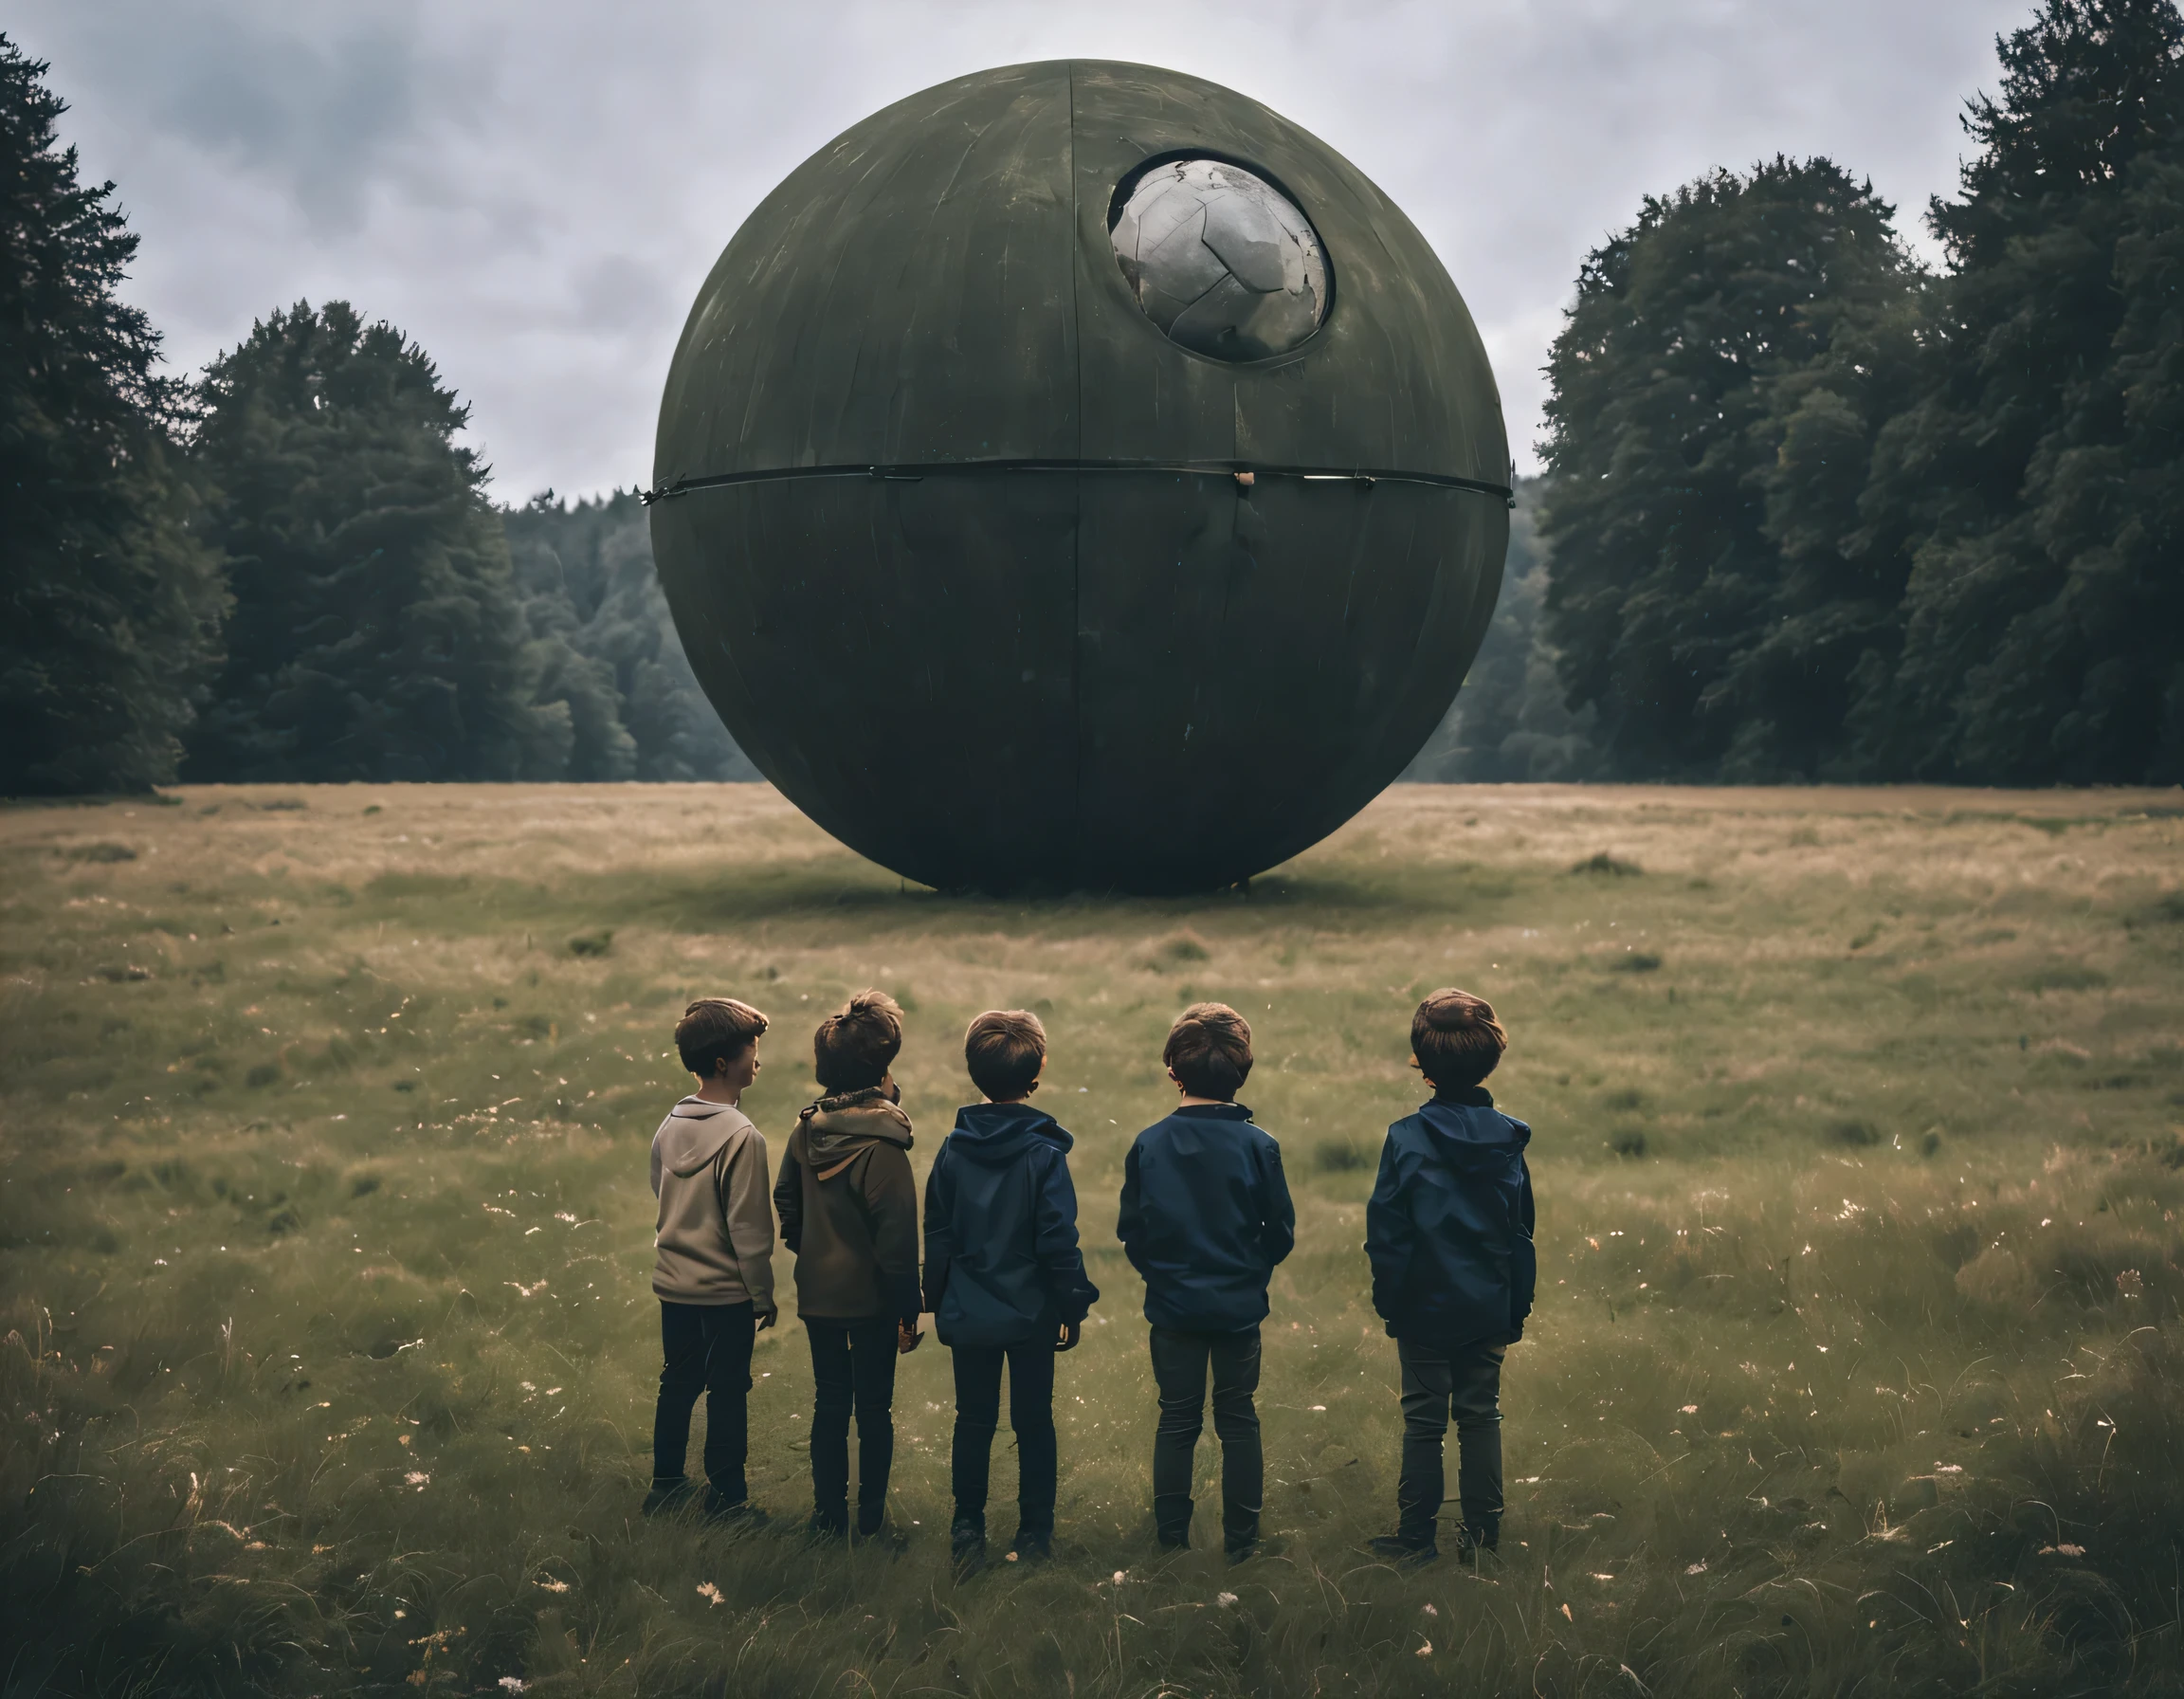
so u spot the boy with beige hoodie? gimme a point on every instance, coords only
(713, 1269)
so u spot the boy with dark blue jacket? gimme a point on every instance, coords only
(1206, 1217)
(1004, 1277)
(1449, 1231)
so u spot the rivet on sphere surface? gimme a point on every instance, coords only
(1077, 476)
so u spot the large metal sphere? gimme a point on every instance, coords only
(1076, 475)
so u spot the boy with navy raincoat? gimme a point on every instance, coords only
(1206, 1218)
(1448, 1231)
(1004, 1277)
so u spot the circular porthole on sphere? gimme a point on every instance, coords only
(1221, 260)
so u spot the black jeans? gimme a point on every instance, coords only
(708, 1348)
(1030, 1364)
(852, 1368)
(1440, 1381)
(1179, 1364)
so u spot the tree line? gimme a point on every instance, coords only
(288, 569)
(1811, 510)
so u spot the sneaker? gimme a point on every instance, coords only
(828, 1525)
(740, 1513)
(1471, 1541)
(668, 1496)
(1406, 1548)
(883, 1538)
(967, 1544)
(1032, 1549)
(1242, 1544)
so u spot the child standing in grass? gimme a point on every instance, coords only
(1004, 1277)
(1449, 1231)
(713, 1264)
(1206, 1217)
(849, 1212)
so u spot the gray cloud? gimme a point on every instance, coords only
(320, 121)
(616, 293)
(534, 190)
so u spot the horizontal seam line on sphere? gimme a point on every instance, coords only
(1199, 468)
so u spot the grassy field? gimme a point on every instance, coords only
(325, 1241)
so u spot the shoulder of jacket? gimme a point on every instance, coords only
(743, 1136)
(1045, 1160)
(1407, 1142)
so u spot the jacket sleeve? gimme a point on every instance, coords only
(1523, 1257)
(891, 1206)
(789, 1197)
(1389, 1238)
(1276, 1214)
(1061, 1261)
(940, 1228)
(1130, 1225)
(750, 1220)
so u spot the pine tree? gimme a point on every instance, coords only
(594, 598)
(1509, 723)
(377, 632)
(1699, 349)
(109, 604)
(2041, 475)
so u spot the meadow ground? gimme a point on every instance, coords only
(324, 1236)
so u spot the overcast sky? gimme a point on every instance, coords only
(534, 190)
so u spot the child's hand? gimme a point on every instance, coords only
(907, 1338)
(1071, 1332)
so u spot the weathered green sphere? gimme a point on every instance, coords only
(1076, 475)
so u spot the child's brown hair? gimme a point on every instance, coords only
(1208, 1050)
(716, 1029)
(1004, 1049)
(855, 1046)
(1456, 1038)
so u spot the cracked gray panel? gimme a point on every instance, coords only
(1221, 260)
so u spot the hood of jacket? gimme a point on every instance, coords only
(1467, 1131)
(693, 1132)
(996, 1135)
(836, 1128)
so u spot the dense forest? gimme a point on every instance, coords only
(1810, 510)
(1813, 512)
(289, 569)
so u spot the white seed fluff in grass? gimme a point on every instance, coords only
(1759, 1089)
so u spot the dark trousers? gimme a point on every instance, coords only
(1179, 1364)
(1031, 1365)
(1440, 1382)
(852, 1369)
(708, 1348)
